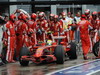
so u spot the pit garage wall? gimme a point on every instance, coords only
(12, 8)
(24, 7)
(91, 7)
(4, 9)
(94, 8)
(27, 8)
(54, 8)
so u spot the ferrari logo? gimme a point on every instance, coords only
(82, 26)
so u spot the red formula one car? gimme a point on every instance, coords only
(49, 53)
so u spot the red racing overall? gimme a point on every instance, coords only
(21, 30)
(84, 35)
(10, 40)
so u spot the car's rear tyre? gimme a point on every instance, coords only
(72, 54)
(59, 54)
(96, 48)
(24, 51)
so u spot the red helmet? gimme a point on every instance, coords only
(69, 13)
(55, 16)
(83, 16)
(94, 13)
(87, 11)
(51, 15)
(33, 16)
(63, 14)
(41, 15)
(78, 14)
(12, 16)
(24, 17)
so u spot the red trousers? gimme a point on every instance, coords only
(19, 44)
(85, 39)
(71, 35)
(67, 37)
(10, 48)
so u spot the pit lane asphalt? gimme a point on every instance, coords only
(42, 69)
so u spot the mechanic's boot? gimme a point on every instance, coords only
(85, 57)
(17, 59)
(11, 61)
(1, 63)
(5, 61)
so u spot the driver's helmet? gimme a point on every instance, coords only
(49, 42)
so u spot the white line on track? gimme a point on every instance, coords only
(71, 67)
(93, 72)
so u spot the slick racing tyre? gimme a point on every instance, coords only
(24, 51)
(59, 54)
(96, 48)
(72, 54)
